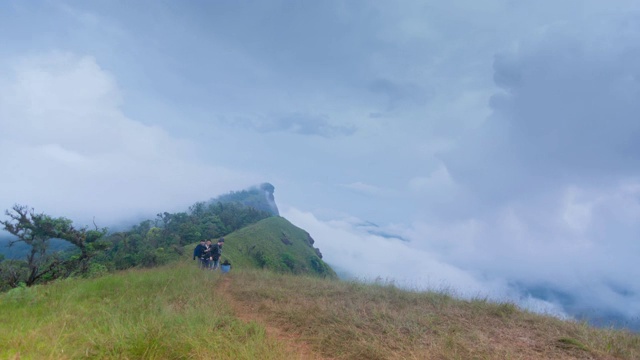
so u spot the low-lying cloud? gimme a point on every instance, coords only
(71, 151)
(540, 203)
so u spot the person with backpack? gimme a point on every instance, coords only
(216, 252)
(198, 252)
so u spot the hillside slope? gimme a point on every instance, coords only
(352, 320)
(180, 312)
(275, 244)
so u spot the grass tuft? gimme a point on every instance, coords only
(572, 343)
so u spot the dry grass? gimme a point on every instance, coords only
(350, 320)
(180, 312)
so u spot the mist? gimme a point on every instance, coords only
(486, 148)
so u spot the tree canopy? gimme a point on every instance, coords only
(35, 230)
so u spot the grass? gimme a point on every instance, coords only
(351, 320)
(173, 312)
(180, 312)
(275, 244)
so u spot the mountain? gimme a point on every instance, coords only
(20, 250)
(275, 244)
(258, 197)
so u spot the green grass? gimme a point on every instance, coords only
(275, 244)
(172, 312)
(181, 312)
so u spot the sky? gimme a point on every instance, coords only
(490, 149)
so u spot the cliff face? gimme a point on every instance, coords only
(268, 190)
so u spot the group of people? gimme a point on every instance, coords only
(208, 254)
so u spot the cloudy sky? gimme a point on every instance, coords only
(488, 147)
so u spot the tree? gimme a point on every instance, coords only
(35, 230)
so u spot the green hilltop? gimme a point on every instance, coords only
(275, 244)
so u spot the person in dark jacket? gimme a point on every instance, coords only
(216, 252)
(198, 252)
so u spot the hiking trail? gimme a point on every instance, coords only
(295, 345)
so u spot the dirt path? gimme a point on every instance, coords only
(297, 347)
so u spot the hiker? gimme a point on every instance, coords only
(198, 252)
(216, 251)
(206, 255)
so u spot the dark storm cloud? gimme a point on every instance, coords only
(567, 112)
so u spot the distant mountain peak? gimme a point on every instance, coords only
(259, 197)
(268, 192)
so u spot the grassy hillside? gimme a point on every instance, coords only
(181, 312)
(172, 312)
(351, 320)
(275, 244)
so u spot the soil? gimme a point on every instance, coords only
(297, 347)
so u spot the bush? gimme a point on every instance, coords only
(96, 270)
(317, 265)
(260, 258)
(289, 261)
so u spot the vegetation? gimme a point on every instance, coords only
(352, 320)
(35, 231)
(280, 301)
(93, 252)
(52, 248)
(153, 243)
(181, 312)
(275, 244)
(167, 313)
(259, 197)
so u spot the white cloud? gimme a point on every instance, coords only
(369, 256)
(557, 260)
(410, 265)
(69, 149)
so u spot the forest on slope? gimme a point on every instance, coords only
(50, 248)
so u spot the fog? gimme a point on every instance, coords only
(490, 148)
